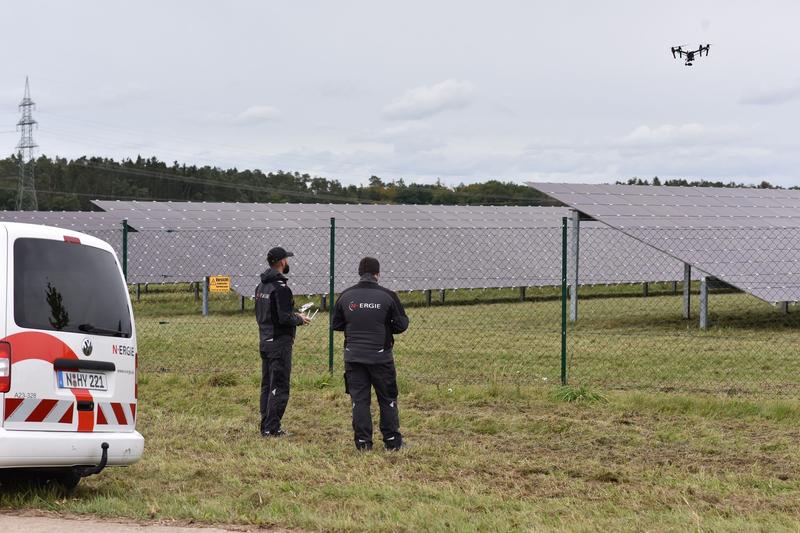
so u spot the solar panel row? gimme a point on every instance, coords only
(749, 238)
(215, 215)
(420, 247)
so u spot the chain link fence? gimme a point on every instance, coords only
(483, 314)
(487, 305)
(698, 333)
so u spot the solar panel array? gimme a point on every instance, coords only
(420, 247)
(85, 221)
(218, 215)
(749, 238)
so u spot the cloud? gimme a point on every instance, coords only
(252, 115)
(255, 114)
(766, 97)
(426, 101)
(671, 135)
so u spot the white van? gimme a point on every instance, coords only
(68, 357)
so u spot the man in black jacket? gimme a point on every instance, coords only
(277, 324)
(369, 314)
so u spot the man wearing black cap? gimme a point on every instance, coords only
(369, 315)
(277, 324)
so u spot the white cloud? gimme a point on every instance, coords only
(252, 115)
(256, 113)
(427, 101)
(670, 135)
(777, 96)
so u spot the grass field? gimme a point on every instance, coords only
(621, 341)
(494, 445)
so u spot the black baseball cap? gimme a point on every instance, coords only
(276, 254)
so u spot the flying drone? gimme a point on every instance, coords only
(690, 55)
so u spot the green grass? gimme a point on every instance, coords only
(582, 394)
(621, 341)
(515, 459)
(494, 444)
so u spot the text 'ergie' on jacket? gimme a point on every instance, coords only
(369, 315)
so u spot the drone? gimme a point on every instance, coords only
(690, 55)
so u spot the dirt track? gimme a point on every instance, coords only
(40, 524)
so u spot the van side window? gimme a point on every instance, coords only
(61, 286)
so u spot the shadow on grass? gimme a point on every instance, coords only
(20, 487)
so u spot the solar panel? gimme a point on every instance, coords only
(194, 215)
(749, 238)
(77, 220)
(523, 245)
(186, 241)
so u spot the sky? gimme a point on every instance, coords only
(460, 91)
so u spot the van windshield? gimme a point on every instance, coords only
(61, 286)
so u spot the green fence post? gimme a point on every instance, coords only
(125, 248)
(564, 301)
(332, 271)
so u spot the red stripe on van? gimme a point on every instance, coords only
(73, 240)
(120, 414)
(44, 347)
(41, 411)
(11, 406)
(101, 418)
(67, 418)
(35, 345)
(85, 418)
(133, 412)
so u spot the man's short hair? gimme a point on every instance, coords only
(369, 265)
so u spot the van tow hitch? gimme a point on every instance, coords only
(86, 471)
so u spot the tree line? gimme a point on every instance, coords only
(680, 182)
(71, 184)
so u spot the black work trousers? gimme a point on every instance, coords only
(360, 379)
(276, 370)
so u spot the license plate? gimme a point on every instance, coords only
(82, 380)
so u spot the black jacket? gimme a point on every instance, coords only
(277, 322)
(369, 314)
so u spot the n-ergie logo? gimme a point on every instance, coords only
(121, 349)
(363, 305)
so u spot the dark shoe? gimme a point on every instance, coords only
(279, 433)
(394, 444)
(363, 446)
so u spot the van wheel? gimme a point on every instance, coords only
(68, 479)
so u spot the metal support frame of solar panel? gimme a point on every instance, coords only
(458, 268)
(757, 230)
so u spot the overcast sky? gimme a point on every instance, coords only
(578, 91)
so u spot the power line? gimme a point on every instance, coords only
(80, 138)
(96, 196)
(26, 195)
(226, 185)
(285, 192)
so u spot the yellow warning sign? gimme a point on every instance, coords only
(219, 283)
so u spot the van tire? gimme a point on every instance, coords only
(68, 479)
